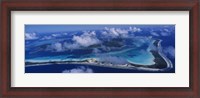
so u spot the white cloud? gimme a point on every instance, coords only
(115, 32)
(65, 33)
(104, 33)
(118, 32)
(55, 35)
(61, 47)
(170, 51)
(57, 47)
(166, 30)
(51, 36)
(80, 69)
(86, 39)
(46, 37)
(135, 29)
(165, 33)
(30, 36)
(122, 32)
(154, 33)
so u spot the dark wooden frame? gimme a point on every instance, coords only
(99, 5)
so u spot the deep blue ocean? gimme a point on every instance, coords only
(59, 68)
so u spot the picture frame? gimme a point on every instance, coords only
(104, 5)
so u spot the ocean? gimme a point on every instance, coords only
(60, 68)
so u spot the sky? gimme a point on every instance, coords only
(61, 28)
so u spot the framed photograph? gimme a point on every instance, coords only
(122, 48)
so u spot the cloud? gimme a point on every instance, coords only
(30, 36)
(46, 38)
(57, 47)
(122, 32)
(55, 35)
(170, 51)
(61, 47)
(165, 32)
(115, 32)
(86, 39)
(134, 29)
(50, 36)
(154, 33)
(104, 33)
(80, 69)
(118, 32)
(65, 33)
